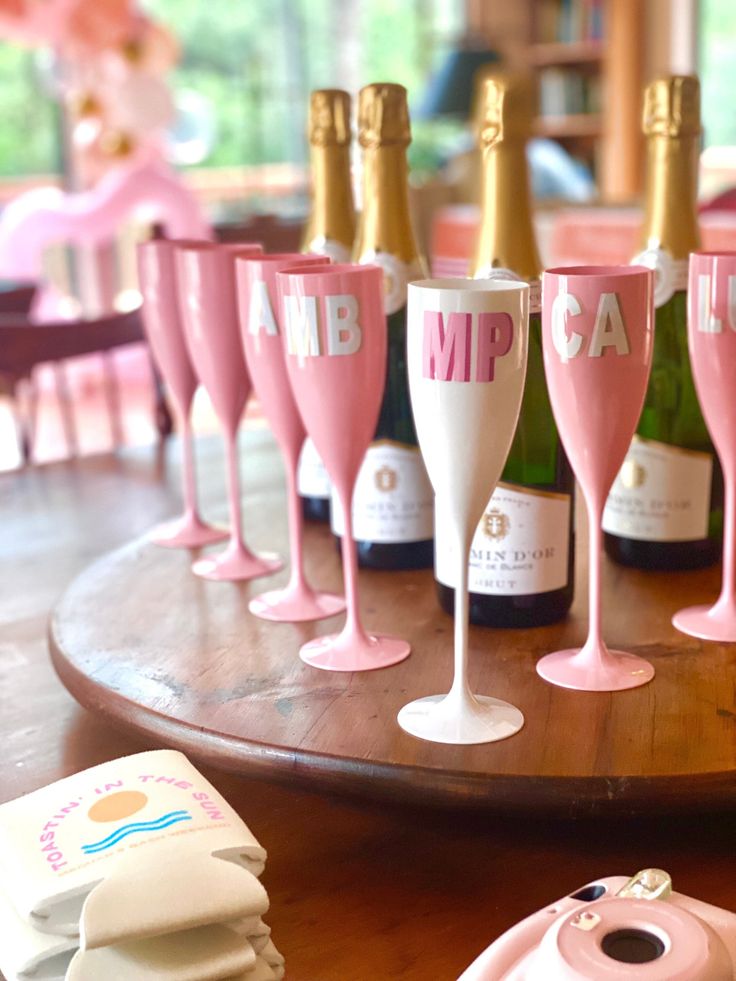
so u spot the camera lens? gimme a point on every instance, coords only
(632, 946)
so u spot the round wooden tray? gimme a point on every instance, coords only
(139, 639)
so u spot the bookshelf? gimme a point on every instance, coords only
(587, 56)
(546, 53)
(566, 51)
(565, 126)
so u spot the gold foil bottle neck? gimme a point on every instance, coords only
(329, 118)
(505, 107)
(383, 115)
(672, 106)
(671, 122)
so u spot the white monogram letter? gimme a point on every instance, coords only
(344, 333)
(301, 326)
(566, 347)
(260, 314)
(707, 322)
(608, 330)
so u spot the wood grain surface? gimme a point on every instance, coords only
(361, 890)
(140, 639)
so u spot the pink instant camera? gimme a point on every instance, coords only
(614, 929)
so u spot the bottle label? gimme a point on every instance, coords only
(311, 476)
(498, 272)
(661, 494)
(670, 275)
(330, 247)
(396, 278)
(520, 547)
(393, 500)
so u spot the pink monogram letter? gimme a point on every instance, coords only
(495, 334)
(446, 353)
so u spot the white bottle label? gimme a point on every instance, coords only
(396, 278)
(393, 500)
(661, 494)
(520, 547)
(312, 478)
(499, 272)
(670, 275)
(330, 247)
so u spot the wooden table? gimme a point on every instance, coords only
(359, 890)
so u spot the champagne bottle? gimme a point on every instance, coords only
(393, 500)
(521, 559)
(329, 231)
(665, 509)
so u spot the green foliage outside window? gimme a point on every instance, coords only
(28, 122)
(256, 60)
(718, 70)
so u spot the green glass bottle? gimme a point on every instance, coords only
(393, 502)
(330, 231)
(522, 554)
(665, 509)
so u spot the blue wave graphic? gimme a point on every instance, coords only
(136, 827)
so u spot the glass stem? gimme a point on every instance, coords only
(353, 623)
(594, 644)
(728, 587)
(187, 450)
(460, 689)
(296, 523)
(233, 478)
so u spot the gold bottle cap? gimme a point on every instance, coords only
(672, 106)
(505, 105)
(329, 118)
(383, 115)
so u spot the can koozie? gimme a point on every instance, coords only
(122, 851)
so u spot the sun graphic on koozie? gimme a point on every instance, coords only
(115, 807)
(120, 806)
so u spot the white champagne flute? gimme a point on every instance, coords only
(466, 357)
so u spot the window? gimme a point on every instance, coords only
(717, 63)
(257, 61)
(28, 115)
(254, 62)
(717, 68)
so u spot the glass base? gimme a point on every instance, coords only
(237, 564)
(612, 671)
(296, 605)
(350, 651)
(188, 531)
(708, 622)
(460, 722)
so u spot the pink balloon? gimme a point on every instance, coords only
(147, 188)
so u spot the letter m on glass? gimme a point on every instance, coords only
(446, 350)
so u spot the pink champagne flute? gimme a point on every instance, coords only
(265, 357)
(336, 342)
(206, 286)
(711, 336)
(157, 279)
(597, 338)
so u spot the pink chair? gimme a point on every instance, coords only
(144, 189)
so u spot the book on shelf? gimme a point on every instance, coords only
(566, 92)
(569, 21)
